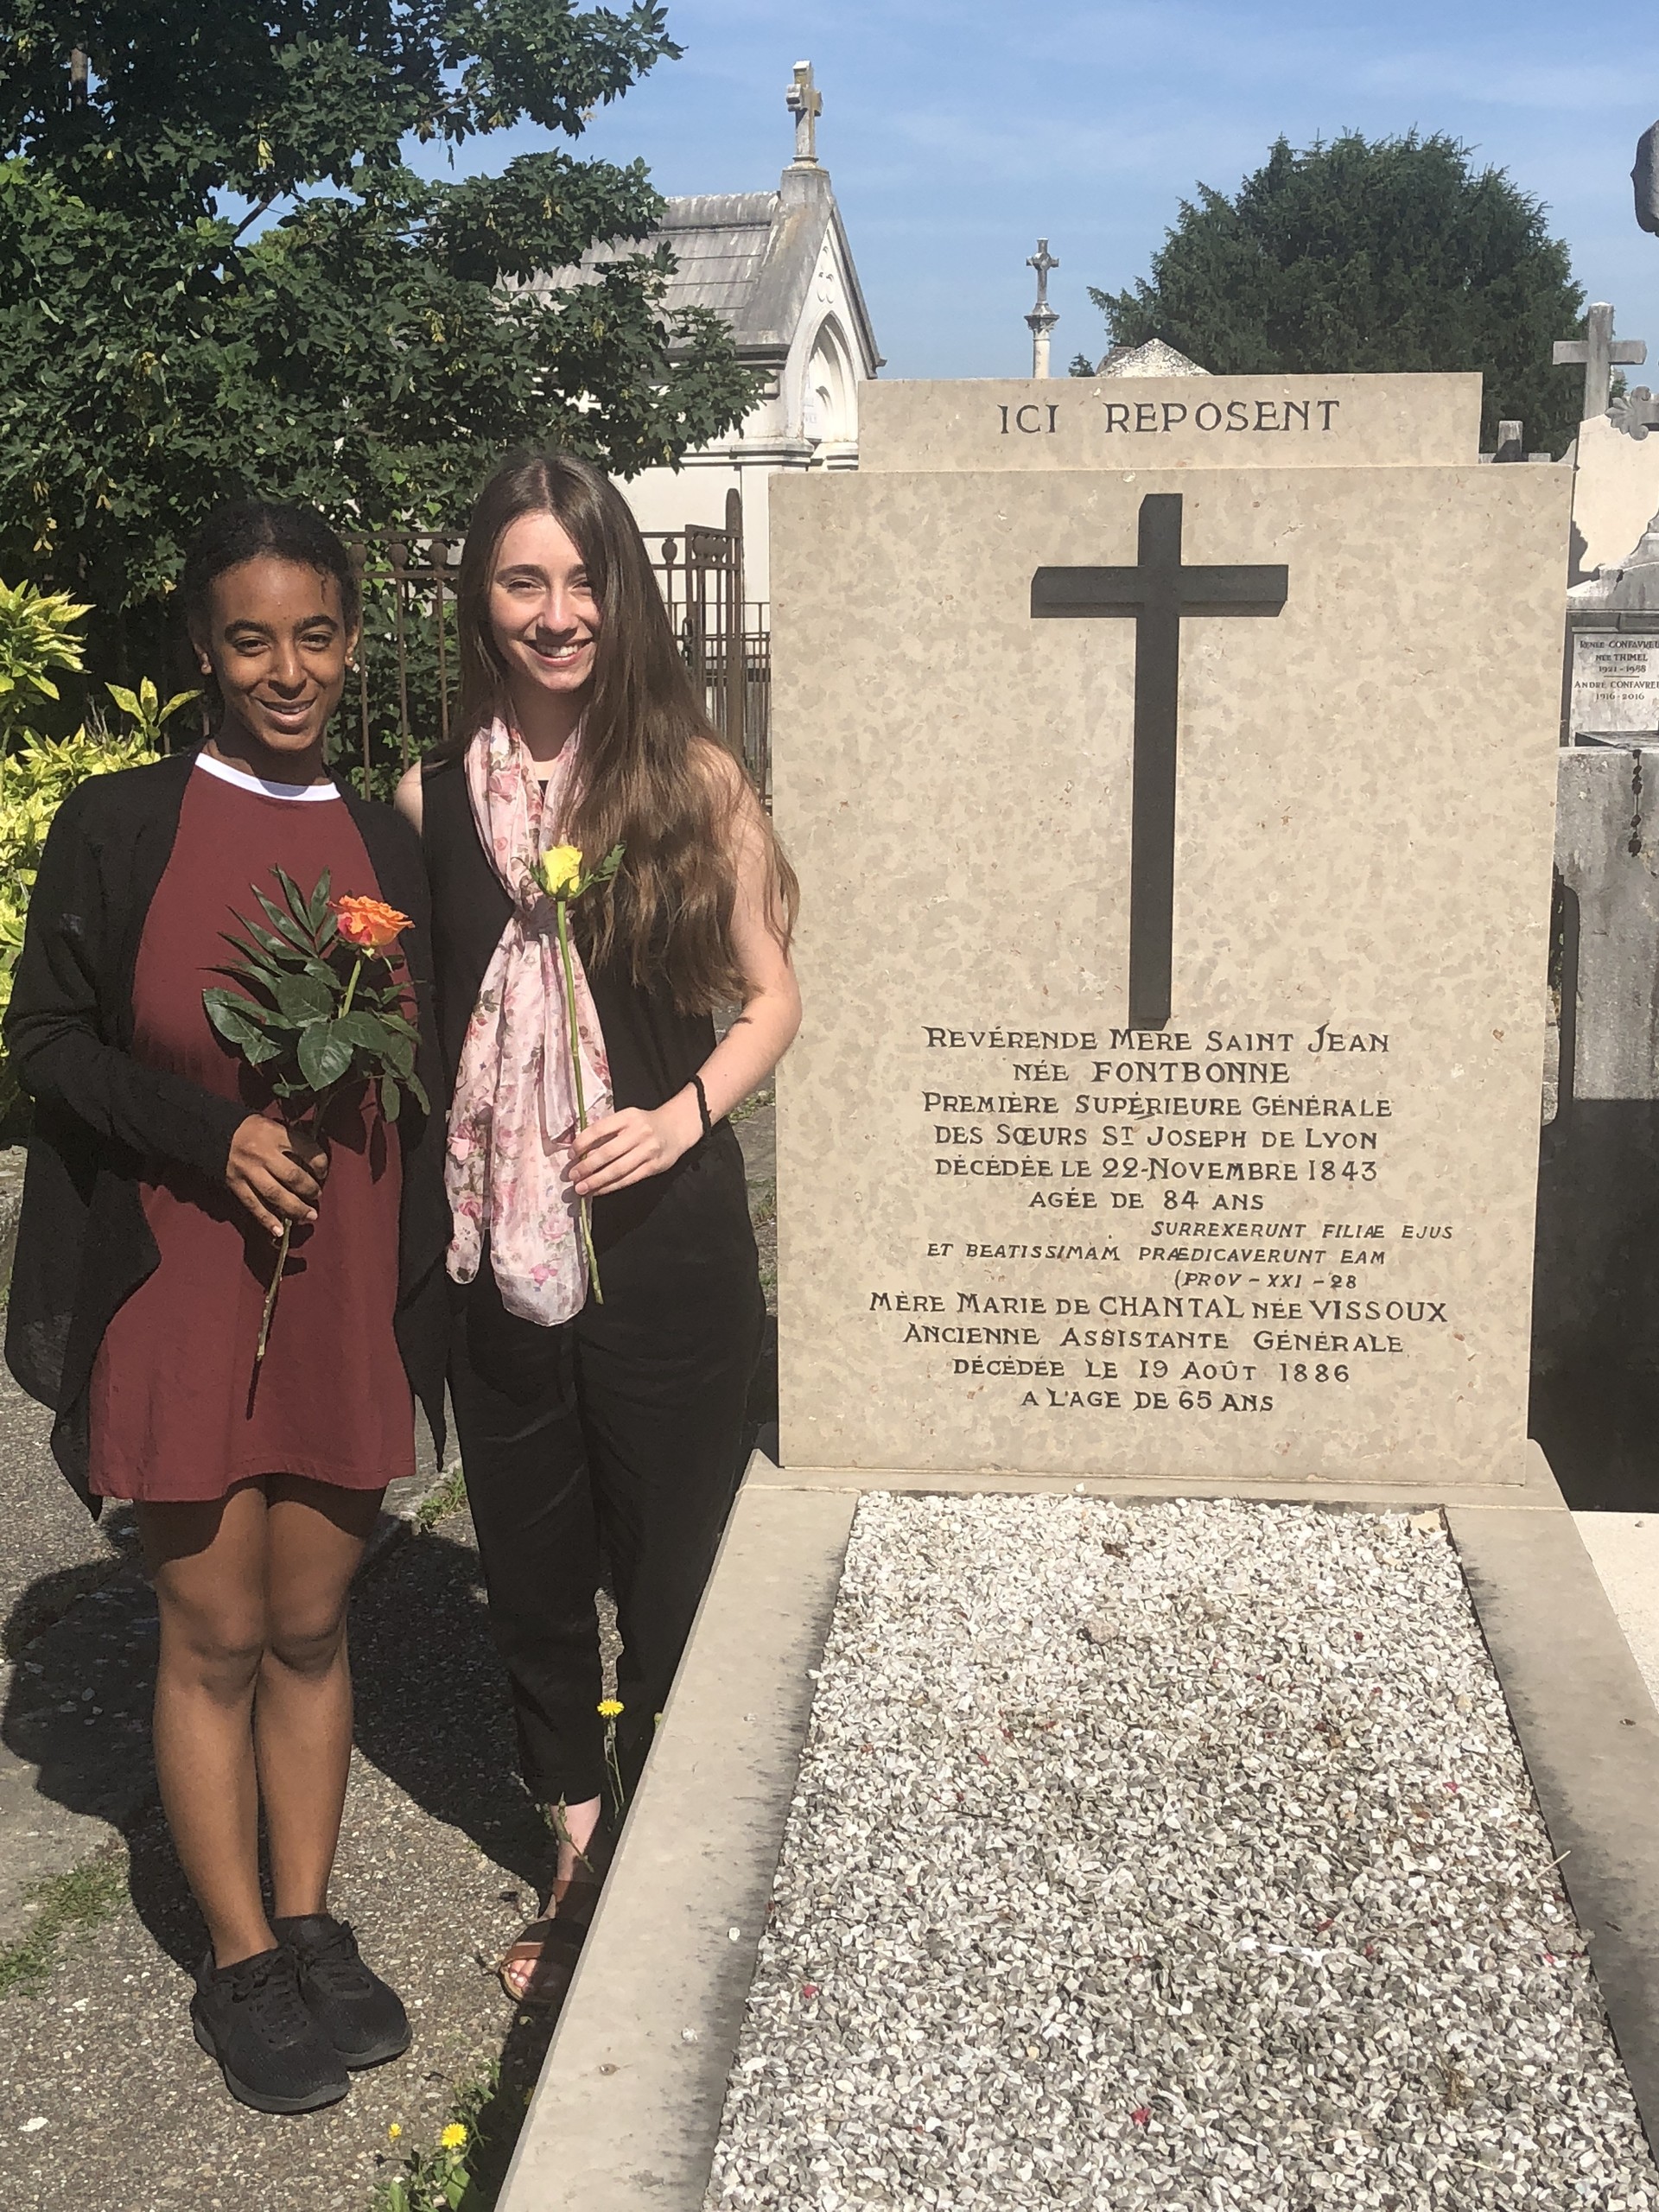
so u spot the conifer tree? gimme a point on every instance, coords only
(1386, 255)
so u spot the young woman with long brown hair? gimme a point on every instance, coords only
(588, 1425)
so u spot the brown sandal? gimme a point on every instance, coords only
(544, 1953)
(550, 1945)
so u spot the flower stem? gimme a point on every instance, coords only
(351, 988)
(562, 910)
(320, 1107)
(613, 1767)
(270, 1295)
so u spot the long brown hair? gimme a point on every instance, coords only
(649, 780)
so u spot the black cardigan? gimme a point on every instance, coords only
(101, 1117)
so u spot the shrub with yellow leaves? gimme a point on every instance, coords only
(39, 640)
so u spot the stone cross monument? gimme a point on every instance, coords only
(1042, 319)
(805, 103)
(1599, 353)
(1169, 1109)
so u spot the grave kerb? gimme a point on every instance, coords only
(626, 2114)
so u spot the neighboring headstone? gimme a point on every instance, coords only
(1635, 412)
(1168, 1099)
(1630, 584)
(1153, 358)
(1595, 1404)
(1599, 352)
(1613, 632)
(1042, 319)
(1615, 684)
(1614, 491)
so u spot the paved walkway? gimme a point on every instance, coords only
(439, 1856)
(105, 2099)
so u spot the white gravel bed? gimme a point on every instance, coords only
(1175, 1856)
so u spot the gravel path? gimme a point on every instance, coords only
(1173, 1856)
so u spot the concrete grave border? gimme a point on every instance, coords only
(626, 2113)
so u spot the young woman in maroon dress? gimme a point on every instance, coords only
(254, 1504)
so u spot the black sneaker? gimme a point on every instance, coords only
(251, 2017)
(363, 2018)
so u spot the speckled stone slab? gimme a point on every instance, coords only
(1286, 1236)
(1176, 1857)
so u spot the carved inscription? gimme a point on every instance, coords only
(1142, 418)
(1169, 1221)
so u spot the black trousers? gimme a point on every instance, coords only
(619, 1430)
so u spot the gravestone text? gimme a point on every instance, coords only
(1615, 683)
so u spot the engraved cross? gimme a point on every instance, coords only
(1042, 261)
(1158, 592)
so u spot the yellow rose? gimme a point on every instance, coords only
(560, 870)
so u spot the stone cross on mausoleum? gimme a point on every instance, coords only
(1599, 353)
(1042, 319)
(805, 103)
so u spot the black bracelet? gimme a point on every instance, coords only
(702, 1105)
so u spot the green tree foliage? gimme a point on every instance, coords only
(1393, 255)
(373, 348)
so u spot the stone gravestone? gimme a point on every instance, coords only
(1615, 684)
(1171, 785)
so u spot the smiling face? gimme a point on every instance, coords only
(544, 617)
(278, 643)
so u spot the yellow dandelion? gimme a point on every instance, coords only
(452, 2136)
(609, 1708)
(394, 2132)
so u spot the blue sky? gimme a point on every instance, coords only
(956, 135)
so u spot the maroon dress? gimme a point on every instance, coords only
(171, 1413)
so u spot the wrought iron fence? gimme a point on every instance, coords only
(407, 664)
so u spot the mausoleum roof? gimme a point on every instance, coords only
(750, 256)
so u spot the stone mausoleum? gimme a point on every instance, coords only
(777, 266)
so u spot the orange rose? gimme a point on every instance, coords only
(369, 923)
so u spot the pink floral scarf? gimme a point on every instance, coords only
(514, 1115)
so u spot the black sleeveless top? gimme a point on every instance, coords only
(653, 1049)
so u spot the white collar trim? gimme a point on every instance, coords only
(244, 781)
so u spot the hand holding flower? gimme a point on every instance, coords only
(277, 1173)
(562, 879)
(319, 1007)
(632, 1145)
